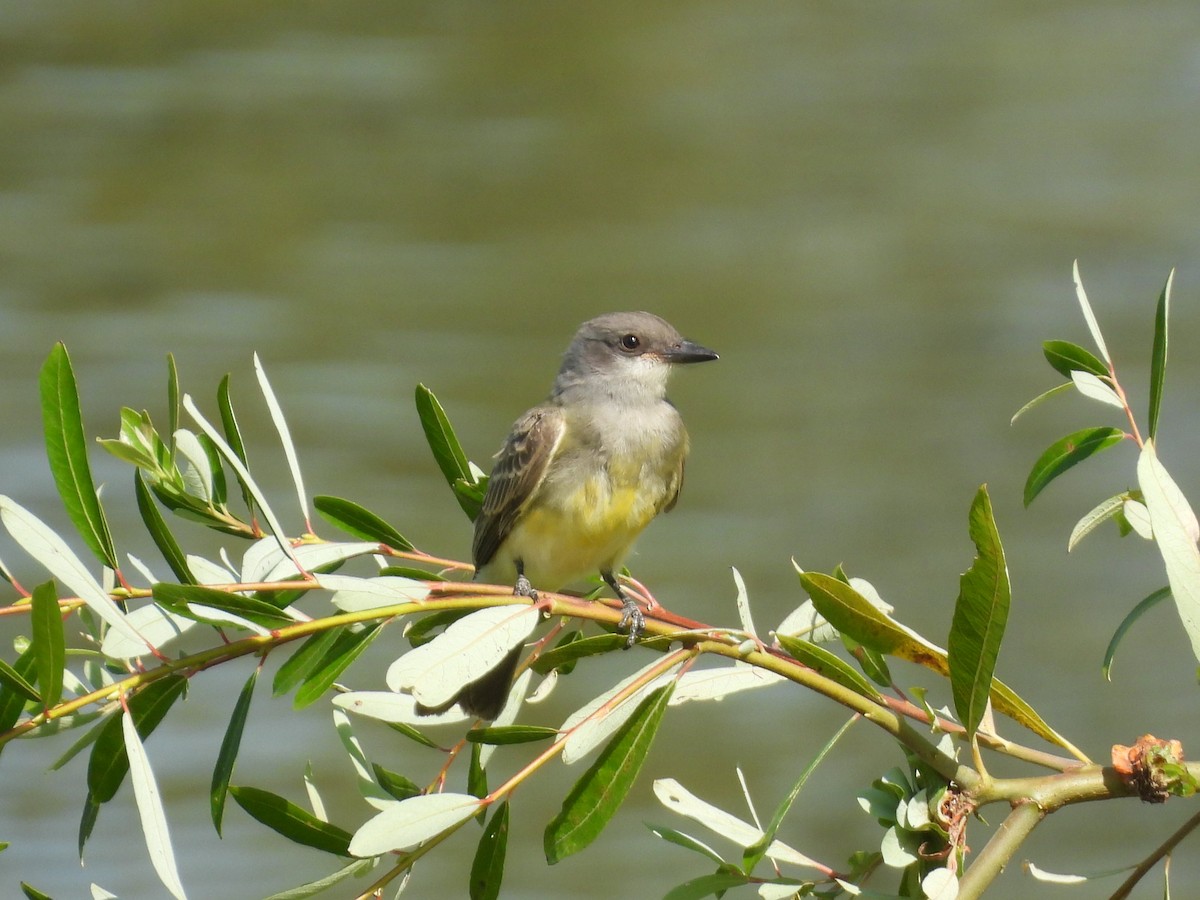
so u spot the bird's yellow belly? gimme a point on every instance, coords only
(576, 534)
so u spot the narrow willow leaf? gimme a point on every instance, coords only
(853, 615)
(413, 821)
(675, 797)
(227, 757)
(345, 650)
(359, 521)
(109, 762)
(233, 434)
(477, 785)
(566, 653)
(52, 552)
(1096, 388)
(742, 602)
(160, 533)
(293, 822)
(33, 893)
(155, 626)
(1039, 400)
(398, 710)
(397, 785)
(720, 682)
(1094, 518)
(1136, 613)
(197, 475)
(487, 869)
(150, 811)
(1158, 356)
(1175, 533)
(66, 449)
(512, 734)
(447, 451)
(87, 822)
(599, 792)
(313, 557)
(597, 720)
(980, 616)
(756, 851)
(1067, 452)
(235, 462)
(12, 681)
(680, 839)
(825, 663)
(180, 598)
(1066, 358)
(172, 397)
(714, 885)
(1088, 315)
(14, 695)
(285, 436)
(356, 869)
(464, 652)
(49, 642)
(301, 663)
(353, 594)
(368, 787)
(1137, 517)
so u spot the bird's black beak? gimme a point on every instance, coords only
(689, 352)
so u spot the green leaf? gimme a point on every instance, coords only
(564, 656)
(707, 886)
(177, 597)
(108, 762)
(394, 783)
(511, 734)
(230, 744)
(426, 628)
(87, 821)
(1134, 614)
(1158, 356)
(1066, 358)
(1065, 453)
(233, 436)
(13, 682)
(301, 663)
(66, 449)
(1039, 399)
(160, 533)
(48, 642)
(447, 451)
(754, 853)
(477, 785)
(172, 400)
(345, 650)
(291, 821)
(33, 893)
(851, 613)
(487, 869)
(14, 695)
(980, 616)
(359, 521)
(825, 663)
(600, 791)
(679, 839)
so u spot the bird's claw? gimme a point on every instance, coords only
(523, 588)
(633, 619)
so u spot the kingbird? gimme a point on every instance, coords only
(580, 476)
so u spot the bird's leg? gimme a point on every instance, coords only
(642, 591)
(631, 613)
(523, 588)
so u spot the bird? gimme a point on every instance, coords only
(582, 474)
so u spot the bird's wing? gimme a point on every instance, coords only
(520, 467)
(673, 493)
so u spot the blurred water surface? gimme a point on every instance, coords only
(869, 209)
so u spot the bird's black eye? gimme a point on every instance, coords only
(630, 342)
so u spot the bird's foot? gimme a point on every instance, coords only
(642, 591)
(633, 619)
(523, 588)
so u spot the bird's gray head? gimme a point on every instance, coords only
(626, 355)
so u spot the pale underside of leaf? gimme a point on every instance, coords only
(1095, 388)
(678, 799)
(464, 652)
(1088, 315)
(150, 810)
(388, 706)
(406, 823)
(353, 594)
